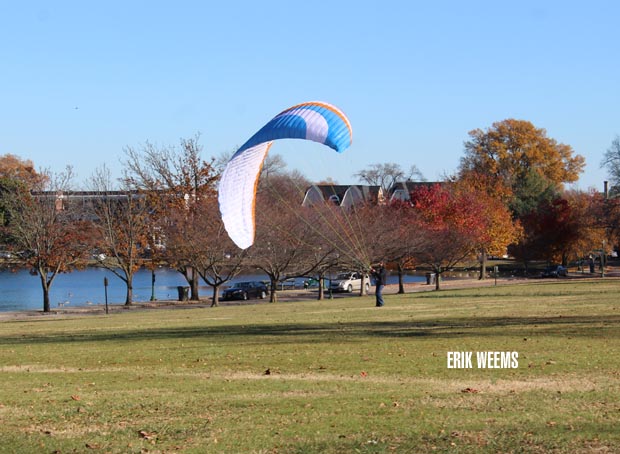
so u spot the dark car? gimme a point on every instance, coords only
(246, 290)
(554, 271)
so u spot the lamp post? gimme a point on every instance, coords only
(105, 286)
(153, 284)
(603, 257)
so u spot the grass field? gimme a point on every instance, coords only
(335, 376)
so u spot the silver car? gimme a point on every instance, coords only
(349, 282)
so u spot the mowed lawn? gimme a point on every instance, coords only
(334, 376)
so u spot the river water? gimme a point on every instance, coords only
(19, 290)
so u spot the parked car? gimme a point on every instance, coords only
(297, 283)
(288, 284)
(554, 271)
(349, 282)
(311, 283)
(246, 290)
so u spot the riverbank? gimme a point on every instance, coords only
(284, 296)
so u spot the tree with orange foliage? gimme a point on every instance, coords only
(500, 230)
(16, 175)
(590, 224)
(15, 168)
(514, 153)
(52, 236)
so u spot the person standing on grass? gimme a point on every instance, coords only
(380, 276)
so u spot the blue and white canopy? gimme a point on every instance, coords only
(316, 121)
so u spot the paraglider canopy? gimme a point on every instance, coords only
(316, 121)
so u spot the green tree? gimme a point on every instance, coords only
(533, 191)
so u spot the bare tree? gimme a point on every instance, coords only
(611, 161)
(196, 236)
(175, 180)
(123, 222)
(283, 240)
(393, 242)
(386, 175)
(274, 164)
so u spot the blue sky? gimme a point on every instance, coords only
(80, 81)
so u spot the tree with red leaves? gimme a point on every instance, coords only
(568, 227)
(450, 224)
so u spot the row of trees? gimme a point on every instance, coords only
(508, 194)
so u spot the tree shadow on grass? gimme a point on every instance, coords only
(594, 326)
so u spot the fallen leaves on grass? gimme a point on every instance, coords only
(470, 390)
(147, 435)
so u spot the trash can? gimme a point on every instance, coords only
(183, 293)
(430, 278)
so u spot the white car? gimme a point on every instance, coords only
(349, 282)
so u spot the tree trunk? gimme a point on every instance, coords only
(192, 279)
(437, 277)
(363, 291)
(483, 265)
(215, 300)
(194, 292)
(321, 289)
(273, 294)
(401, 283)
(46, 299)
(129, 298)
(46, 292)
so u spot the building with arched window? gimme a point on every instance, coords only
(344, 196)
